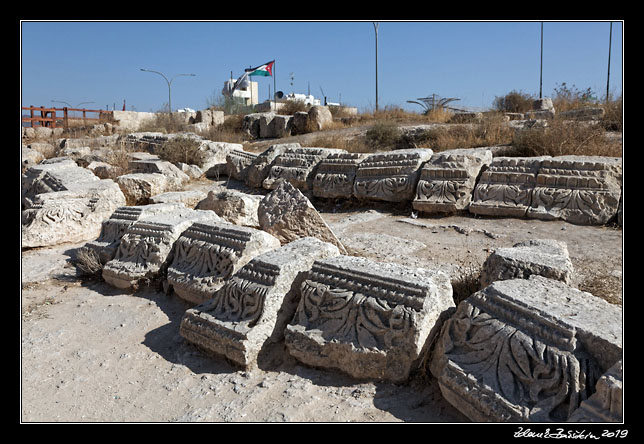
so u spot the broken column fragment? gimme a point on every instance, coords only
(146, 246)
(368, 319)
(505, 188)
(288, 215)
(335, 175)
(297, 166)
(390, 176)
(208, 253)
(526, 350)
(448, 179)
(582, 190)
(544, 257)
(255, 304)
(605, 405)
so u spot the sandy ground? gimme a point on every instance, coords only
(92, 353)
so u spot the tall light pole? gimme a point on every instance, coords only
(169, 82)
(541, 68)
(375, 27)
(610, 41)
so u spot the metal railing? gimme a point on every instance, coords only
(60, 117)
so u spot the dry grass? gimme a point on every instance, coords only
(88, 263)
(182, 149)
(562, 137)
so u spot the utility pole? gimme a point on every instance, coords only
(610, 41)
(541, 69)
(169, 82)
(375, 27)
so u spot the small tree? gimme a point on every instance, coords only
(514, 102)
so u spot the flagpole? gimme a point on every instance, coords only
(274, 87)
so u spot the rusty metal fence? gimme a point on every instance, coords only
(61, 117)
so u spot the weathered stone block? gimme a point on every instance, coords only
(237, 163)
(505, 188)
(233, 206)
(583, 190)
(526, 350)
(69, 216)
(113, 229)
(288, 215)
(543, 257)
(208, 253)
(261, 165)
(189, 199)
(370, 320)
(448, 179)
(390, 176)
(255, 304)
(605, 405)
(138, 188)
(146, 246)
(297, 166)
(64, 175)
(335, 175)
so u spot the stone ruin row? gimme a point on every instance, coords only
(526, 347)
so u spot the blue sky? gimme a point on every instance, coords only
(475, 61)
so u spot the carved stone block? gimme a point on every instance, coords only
(74, 215)
(543, 257)
(146, 246)
(605, 405)
(296, 165)
(368, 319)
(335, 175)
(255, 304)
(505, 188)
(208, 253)
(237, 163)
(233, 206)
(526, 350)
(113, 229)
(65, 175)
(259, 168)
(390, 176)
(582, 190)
(448, 179)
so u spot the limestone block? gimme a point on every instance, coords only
(72, 215)
(526, 350)
(368, 319)
(300, 123)
(193, 171)
(582, 190)
(281, 126)
(320, 117)
(448, 179)
(335, 175)
(65, 175)
(543, 257)
(255, 304)
(146, 246)
(102, 170)
(505, 188)
(138, 188)
(390, 176)
(113, 229)
(189, 199)
(605, 405)
(215, 153)
(158, 166)
(297, 166)
(261, 165)
(288, 215)
(237, 163)
(208, 253)
(265, 129)
(250, 124)
(233, 206)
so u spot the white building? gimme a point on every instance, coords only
(249, 94)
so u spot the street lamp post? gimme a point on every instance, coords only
(375, 28)
(169, 82)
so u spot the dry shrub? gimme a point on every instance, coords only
(490, 131)
(88, 263)
(291, 107)
(561, 137)
(383, 135)
(352, 145)
(119, 158)
(230, 131)
(182, 149)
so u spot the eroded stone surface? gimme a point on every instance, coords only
(208, 253)
(448, 179)
(368, 319)
(579, 189)
(544, 257)
(605, 405)
(237, 163)
(390, 176)
(258, 170)
(289, 215)
(526, 350)
(297, 166)
(255, 304)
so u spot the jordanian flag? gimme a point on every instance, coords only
(263, 70)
